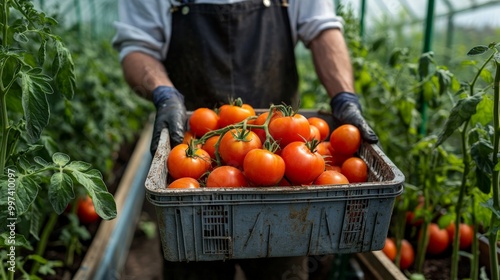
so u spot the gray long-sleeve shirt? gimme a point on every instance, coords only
(145, 25)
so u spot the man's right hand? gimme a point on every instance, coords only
(170, 113)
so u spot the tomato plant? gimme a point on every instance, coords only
(203, 120)
(355, 169)
(302, 163)
(235, 144)
(263, 167)
(345, 139)
(184, 183)
(331, 177)
(188, 161)
(46, 181)
(226, 177)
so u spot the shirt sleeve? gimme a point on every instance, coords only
(142, 26)
(309, 18)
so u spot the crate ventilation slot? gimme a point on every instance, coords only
(353, 228)
(216, 236)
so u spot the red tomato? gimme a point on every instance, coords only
(203, 120)
(285, 130)
(235, 144)
(260, 120)
(407, 255)
(438, 239)
(322, 126)
(314, 133)
(86, 211)
(184, 183)
(336, 157)
(390, 249)
(302, 165)
(466, 234)
(188, 136)
(209, 145)
(231, 114)
(334, 168)
(346, 139)
(263, 168)
(186, 161)
(355, 169)
(330, 177)
(226, 177)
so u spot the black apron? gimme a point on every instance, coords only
(245, 50)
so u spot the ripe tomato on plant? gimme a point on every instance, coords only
(226, 176)
(86, 211)
(355, 169)
(234, 113)
(302, 163)
(263, 167)
(203, 120)
(390, 249)
(346, 139)
(466, 234)
(187, 161)
(322, 126)
(287, 129)
(330, 177)
(438, 239)
(235, 144)
(184, 183)
(407, 255)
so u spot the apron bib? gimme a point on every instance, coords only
(245, 49)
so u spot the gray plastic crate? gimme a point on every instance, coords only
(218, 224)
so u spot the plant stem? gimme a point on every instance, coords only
(458, 208)
(44, 239)
(492, 238)
(4, 121)
(474, 271)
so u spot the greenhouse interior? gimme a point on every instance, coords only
(248, 139)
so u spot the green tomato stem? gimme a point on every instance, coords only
(42, 245)
(492, 238)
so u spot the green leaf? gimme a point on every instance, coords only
(477, 50)
(36, 215)
(445, 78)
(426, 59)
(459, 114)
(20, 241)
(483, 181)
(64, 70)
(497, 166)
(35, 106)
(484, 111)
(92, 181)
(26, 193)
(406, 108)
(41, 161)
(42, 53)
(60, 159)
(60, 191)
(79, 166)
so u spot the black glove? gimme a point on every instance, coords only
(346, 109)
(170, 113)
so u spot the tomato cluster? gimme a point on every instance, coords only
(232, 146)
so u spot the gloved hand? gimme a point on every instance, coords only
(170, 113)
(346, 109)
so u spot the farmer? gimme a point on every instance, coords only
(187, 54)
